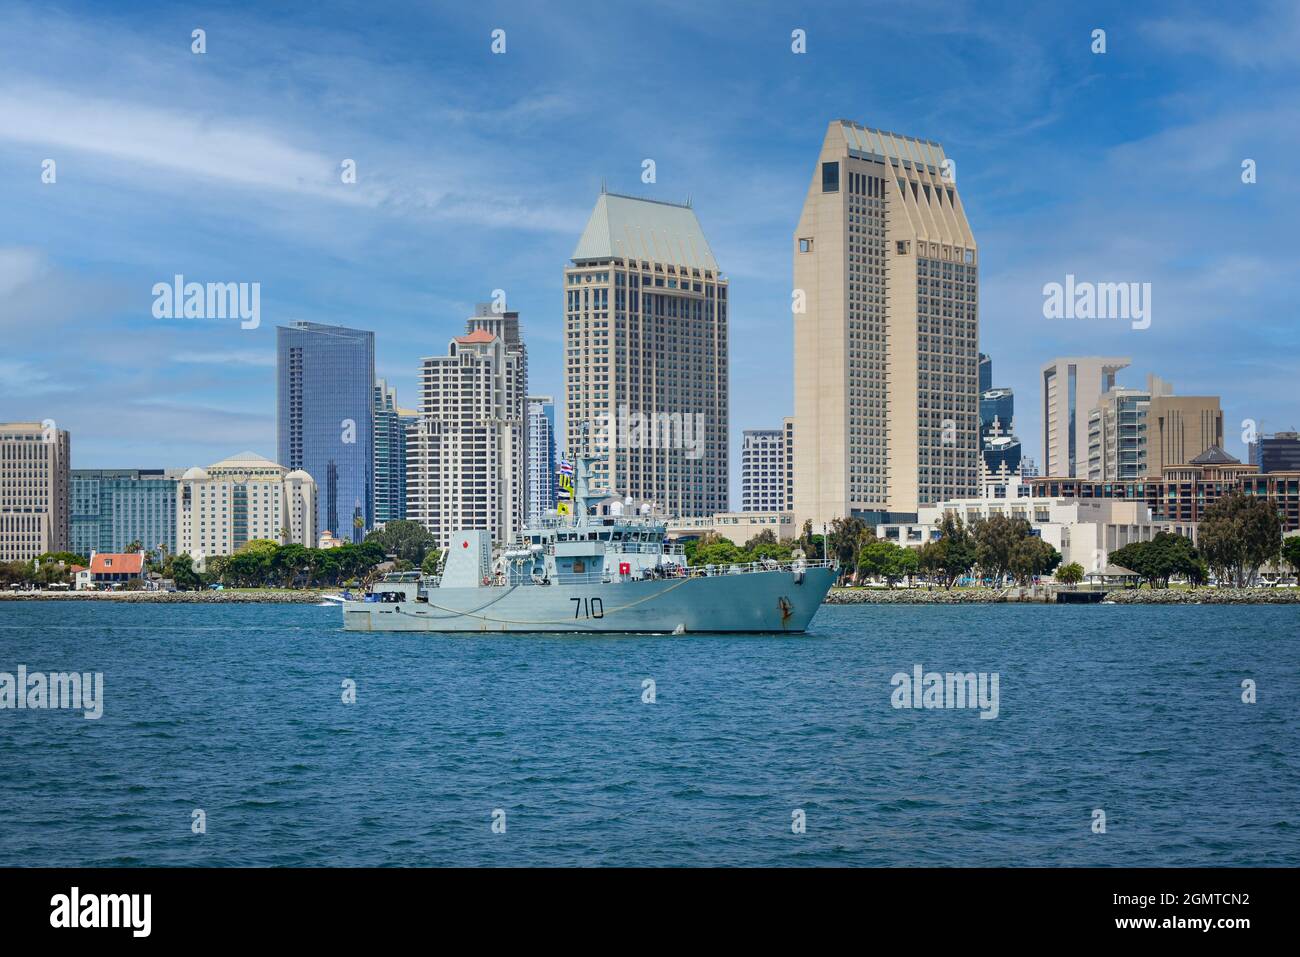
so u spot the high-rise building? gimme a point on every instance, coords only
(646, 355)
(221, 508)
(493, 318)
(1181, 427)
(111, 509)
(1279, 452)
(986, 374)
(34, 480)
(1071, 389)
(391, 423)
(1117, 435)
(763, 474)
(465, 457)
(325, 420)
(541, 456)
(886, 331)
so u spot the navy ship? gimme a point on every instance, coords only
(587, 573)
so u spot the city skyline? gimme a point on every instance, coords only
(201, 141)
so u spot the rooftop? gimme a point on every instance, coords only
(624, 227)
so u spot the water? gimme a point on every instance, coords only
(236, 709)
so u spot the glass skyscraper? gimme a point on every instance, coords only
(112, 508)
(541, 456)
(391, 423)
(325, 420)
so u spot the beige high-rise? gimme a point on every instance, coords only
(1181, 427)
(886, 349)
(1072, 387)
(35, 472)
(645, 370)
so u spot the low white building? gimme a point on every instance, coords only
(1082, 530)
(246, 497)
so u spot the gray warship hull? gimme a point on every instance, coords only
(757, 601)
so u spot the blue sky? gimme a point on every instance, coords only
(477, 171)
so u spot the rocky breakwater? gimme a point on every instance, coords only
(269, 595)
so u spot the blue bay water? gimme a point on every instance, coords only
(237, 710)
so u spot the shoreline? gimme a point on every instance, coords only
(837, 596)
(1027, 595)
(271, 596)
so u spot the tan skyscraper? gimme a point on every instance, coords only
(1072, 387)
(646, 355)
(1181, 427)
(886, 330)
(34, 483)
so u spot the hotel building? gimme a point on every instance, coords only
(465, 465)
(886, 331)
(646, 336)
(34, 481)
(763, 470)
(325, 421)
(113, 508)
(241, 499)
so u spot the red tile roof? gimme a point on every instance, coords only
(478, 335)
(124, 564)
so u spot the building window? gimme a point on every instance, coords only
(830, 177)
(805, 245)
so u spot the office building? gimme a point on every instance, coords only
(1072, 387)
(34, 481)
(391, 423)
(1279, 452)
(645, 372)
(886, 331)
(1181, 427)
(221, 508)
(465, 465)
(112, 509)
(325, 420)
(763, 474)
(541, 456)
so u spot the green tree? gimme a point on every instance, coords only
(432, 563)
(1155, 561)
(1291, 552)
(880, 558)
(1239, 534)
(1070, 574)
(845, 538)
(996, 538)
(765, 537)
(181, 571)
(1031, 556)
(720, 552)
(403, 539)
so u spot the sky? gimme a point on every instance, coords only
(477, 171)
